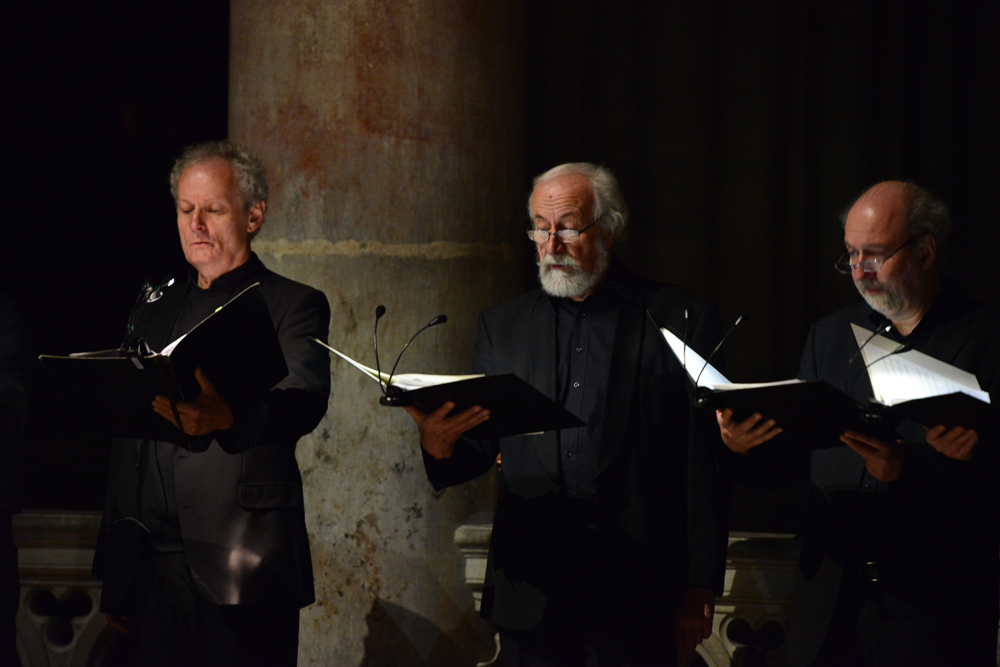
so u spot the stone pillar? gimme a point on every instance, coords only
(394, 136)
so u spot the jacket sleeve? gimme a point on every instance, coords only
(295, 406)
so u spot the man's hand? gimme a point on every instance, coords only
(439, 432)
(741, 438)
(883, 459)
(693, 621)
(208, 413)
(956, 443)
(119, 623)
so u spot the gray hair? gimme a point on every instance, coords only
(251, 177)
(925, 213)
(609, 205)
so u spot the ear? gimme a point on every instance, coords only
(256, 217)
(928, 252)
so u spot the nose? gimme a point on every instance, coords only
(858, 272)
(552, 242)
(197, 218)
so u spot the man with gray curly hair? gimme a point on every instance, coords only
(608, 544)
(204, 554)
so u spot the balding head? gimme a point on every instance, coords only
(891, 234)
(922, 212)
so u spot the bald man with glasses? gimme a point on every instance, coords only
(899, 562)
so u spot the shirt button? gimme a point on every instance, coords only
(579, 349)
(576, 385)
(569, 455)
(583, 314)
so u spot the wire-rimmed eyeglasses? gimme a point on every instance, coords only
(848, 261)
(541, 236)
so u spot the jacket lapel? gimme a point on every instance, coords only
(625, 355)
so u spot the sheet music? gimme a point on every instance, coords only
(904, 376)
(405, 381)
(693, 362)
(711, 378)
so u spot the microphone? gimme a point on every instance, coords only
(684, 343)
(882, 325)
(147, 294)
(392, 395)
(702, 398)
(379, 312)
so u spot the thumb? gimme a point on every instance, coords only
(203, 381)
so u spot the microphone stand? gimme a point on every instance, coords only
(393, 396)
(702, 395)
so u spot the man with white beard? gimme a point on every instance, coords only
(899, 560)
(606, 536)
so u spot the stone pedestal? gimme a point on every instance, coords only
(58, 624)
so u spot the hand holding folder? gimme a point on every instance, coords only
(112, 392)
(514, 406)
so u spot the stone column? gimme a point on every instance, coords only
(394, 136)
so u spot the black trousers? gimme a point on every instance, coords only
(10, 594)
(596, 614)
(172, 625)
(872, 629)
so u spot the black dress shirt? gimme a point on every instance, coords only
(585, 332)
(157, 496)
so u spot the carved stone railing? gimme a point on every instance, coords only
(58, 624)
(750, 617)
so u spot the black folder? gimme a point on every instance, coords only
(811, 414)
(515, 406)
(948, 410)
(110, 393)
(815, 414)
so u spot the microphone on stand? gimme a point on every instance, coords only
(684, 343)
(702, 398)
(882, 325)
(392, 395)
(379, 312)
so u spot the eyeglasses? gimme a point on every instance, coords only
(848, 261)
(541, 236)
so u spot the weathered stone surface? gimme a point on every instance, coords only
(394, 134)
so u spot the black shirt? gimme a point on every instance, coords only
(157, 498)
(585, 332)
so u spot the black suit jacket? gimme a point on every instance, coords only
(14, 362)
(934, 532)
(661, 511)
(240, 502)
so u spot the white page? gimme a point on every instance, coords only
(694, 363)
(905, 376)
(405, 381)
(710, 378)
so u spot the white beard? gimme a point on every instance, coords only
(889, 303)
(571, 281)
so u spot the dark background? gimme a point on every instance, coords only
(739, 132)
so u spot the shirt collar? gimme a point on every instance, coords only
(614, 289)
(228, 281)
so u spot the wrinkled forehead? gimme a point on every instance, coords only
(568, 196)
